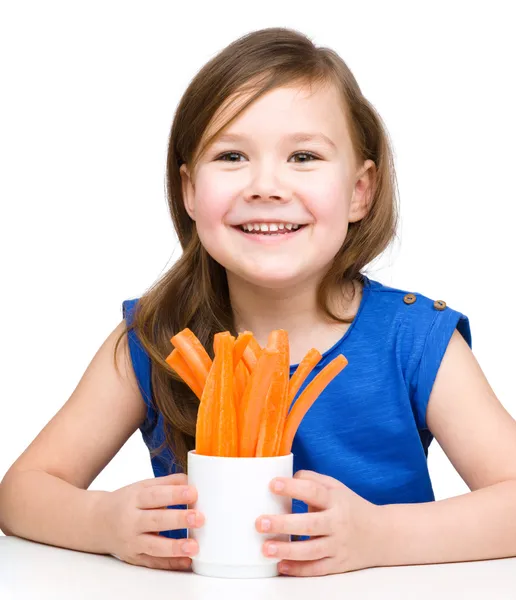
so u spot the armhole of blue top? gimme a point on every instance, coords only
(439, 334)
(141, 363)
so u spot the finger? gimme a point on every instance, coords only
(326, 480)
(165, 519)
(161, 546)
(173, 479)
(160, 496)
(314, 549)
(309, 568)
(310, 492)
(168, 564)
(315, 523)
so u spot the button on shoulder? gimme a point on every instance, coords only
(439, 305)
(409, 298)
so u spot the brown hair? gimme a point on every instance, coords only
(194, 292)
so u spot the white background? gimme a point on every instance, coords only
(88, 95)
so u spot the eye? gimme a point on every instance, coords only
(231, 155)
(306, 156)
(236, 156)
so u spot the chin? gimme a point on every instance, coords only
(271, 279)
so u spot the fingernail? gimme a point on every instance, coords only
(186, 493)
(283, 568)
(278, 486)
(272, 549)
(265, 524)
(186, 548)
(191, 519)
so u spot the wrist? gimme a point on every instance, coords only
(101, 521)
(379, 536)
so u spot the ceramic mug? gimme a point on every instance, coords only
(232, 493)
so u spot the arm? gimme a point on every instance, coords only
(39, 506)
(43, 496)
(479, 437)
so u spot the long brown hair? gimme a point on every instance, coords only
(194, 292)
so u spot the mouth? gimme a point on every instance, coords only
(270, 229)
(270, 233)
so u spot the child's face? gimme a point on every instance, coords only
(268, 176)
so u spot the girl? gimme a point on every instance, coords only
(281, 188)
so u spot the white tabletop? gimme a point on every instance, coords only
(29, 570)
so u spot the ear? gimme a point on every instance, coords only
(188, 191)
(362, 192)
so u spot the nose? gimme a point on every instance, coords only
(265, 185)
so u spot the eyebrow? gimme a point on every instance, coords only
(300, 136)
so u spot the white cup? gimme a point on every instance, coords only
(232, 493)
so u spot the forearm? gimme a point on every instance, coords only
(475, 526)
(38, 506)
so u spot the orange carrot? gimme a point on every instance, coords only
(275, 413)
(250, 359)
(304, 368)
(241, 377)
(240, 345)
(215, 339)
(307, 398)
(180, 366)
(251, 354)
(225, 437)
(207, 413)
(253, 402)
(194, 354)
(255, 346)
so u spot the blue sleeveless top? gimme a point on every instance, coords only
(368, 427)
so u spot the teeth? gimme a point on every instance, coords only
(269, 227)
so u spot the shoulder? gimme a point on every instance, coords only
(415, 314)
(128, 309)
(138, 353)
(422, 327)
(139, 356)
(141, 359)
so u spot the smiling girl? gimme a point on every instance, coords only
(281, 188)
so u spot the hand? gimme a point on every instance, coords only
(341, 525)
(135, 513)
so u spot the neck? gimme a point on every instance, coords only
(294, 309)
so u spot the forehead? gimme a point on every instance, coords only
(284, 110)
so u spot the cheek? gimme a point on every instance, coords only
(211, 201)
(329, 204)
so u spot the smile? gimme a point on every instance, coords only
(263, 233)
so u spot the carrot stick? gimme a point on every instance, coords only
(255, 346)
(241, 377)
(180, 366)
(275, 414)
(225, 438)
(307, 398)
(250, 359)
(304, 368)
(194, 354)
(196, 344)
(206, 414)
(251, 354)
(253, 402)
(240, 345)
